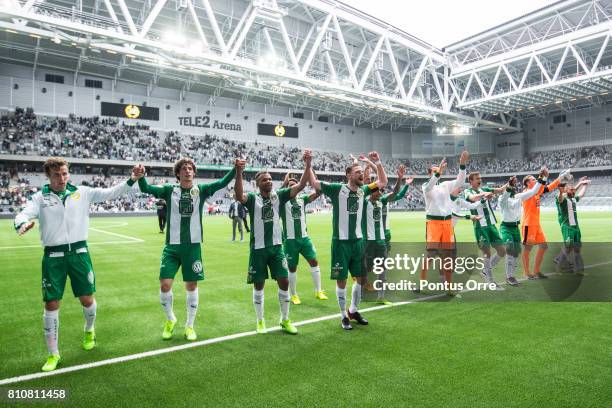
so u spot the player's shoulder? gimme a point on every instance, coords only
(333, 187)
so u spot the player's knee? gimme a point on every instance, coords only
(283, 283)
(501, 251)
(86, 301)
(313, 263)
(52, 305)
(191, 285)
(165, 286)
(259, 285)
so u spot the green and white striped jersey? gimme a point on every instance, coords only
(372, 220)
(264, 213)
(485, 210)
(293, 214)
(184, 207)
(348, 209)
(566, 211)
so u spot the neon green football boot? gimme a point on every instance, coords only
(52, 362)
(190, 334)
(320, 294)
(287, 327)
(168, 329)
(89, 340)
(261, 327)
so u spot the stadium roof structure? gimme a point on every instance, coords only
(323, 55)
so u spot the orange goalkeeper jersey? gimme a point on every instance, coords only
(531, 207)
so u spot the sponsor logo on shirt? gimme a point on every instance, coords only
(49, 202)
(267, 211)
(377, 213)
(353, 203)
(296, 211)
(185, 205)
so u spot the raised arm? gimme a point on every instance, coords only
(560, 197)
(401, 170)
(305, 175)
(467, 205)
(463, 159)
(23, 220)
(381, 175)
(499, 190)
(526, 195)
(367, 173)
(238, 188)
(156, 191)
(554, 184)
(582, 187)
(313, 196)
(435, 176)
(97, 195)
(210, 188)
(314, 182)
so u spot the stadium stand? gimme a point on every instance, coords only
(26, 134)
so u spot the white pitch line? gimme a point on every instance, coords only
(167, 350)
(132, 240)
(88, 244)
(112, 224)
(117, 235)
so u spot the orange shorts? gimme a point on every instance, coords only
(440, 234)
(533, 235)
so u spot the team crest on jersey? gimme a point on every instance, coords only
(196, 267)
(194, 192)
(75, 196)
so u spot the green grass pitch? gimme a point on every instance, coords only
(438, 354)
